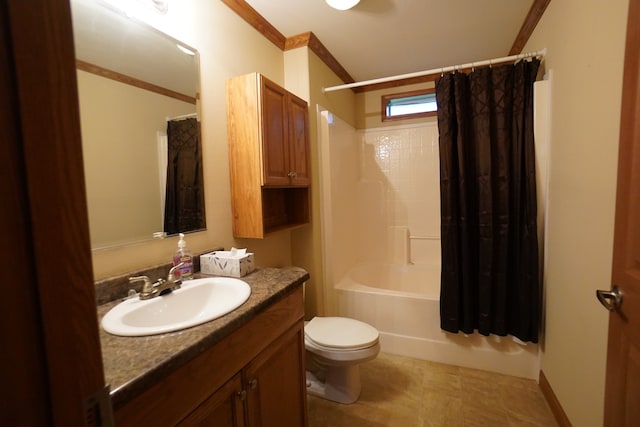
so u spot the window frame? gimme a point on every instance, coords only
(386, 98)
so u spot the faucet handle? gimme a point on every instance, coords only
(171, 276)
(147, 286)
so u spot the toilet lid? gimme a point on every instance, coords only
(340, 332)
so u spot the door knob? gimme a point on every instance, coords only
(612, 299)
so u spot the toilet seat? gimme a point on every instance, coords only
(340, 334)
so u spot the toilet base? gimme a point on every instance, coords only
(336, 383)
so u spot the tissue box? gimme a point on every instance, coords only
(227, 263)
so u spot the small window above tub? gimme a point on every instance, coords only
(409, 105)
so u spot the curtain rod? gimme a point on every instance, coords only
(540, 53)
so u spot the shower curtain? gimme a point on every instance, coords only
(490, 280)
(184, 206)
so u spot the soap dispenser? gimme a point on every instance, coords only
(184, 256)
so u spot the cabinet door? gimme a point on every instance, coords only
(274, 133)
(276, 383)
(224, 408)
(298, 140)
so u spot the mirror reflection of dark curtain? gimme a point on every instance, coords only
(184, 204)
(490, 279)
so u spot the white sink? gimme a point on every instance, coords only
(196, 302)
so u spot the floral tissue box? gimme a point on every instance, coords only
(233, 263)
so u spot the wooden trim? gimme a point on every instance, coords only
(554, 403)
(253, 18)
(257, 21)
(315, 45)
(56, 224)
(384, 99)
(22, 363)
(300, 40)
(264, 27)
(533, 17)
(621, 381)
(132, 81)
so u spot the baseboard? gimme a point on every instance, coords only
(554, 403)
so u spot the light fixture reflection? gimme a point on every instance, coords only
(186, 50)
(342, 4)
(140, 8)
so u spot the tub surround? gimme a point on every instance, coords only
(413, 289)
(134, 365)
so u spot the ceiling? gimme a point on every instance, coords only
(379, 38)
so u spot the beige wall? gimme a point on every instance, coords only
(585, 42)
(228, 47)
(306, 75)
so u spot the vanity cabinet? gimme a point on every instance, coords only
(271, 389)
(268, 133)
(276, 394)
(222, 409)
(253, 377)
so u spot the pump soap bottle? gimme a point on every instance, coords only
(184, 256)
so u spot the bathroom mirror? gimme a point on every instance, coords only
(138, 96)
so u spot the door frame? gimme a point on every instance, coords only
(50, 324)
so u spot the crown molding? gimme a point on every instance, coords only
(257, 21)
(308, 39)
(312, 42)
(530, 22)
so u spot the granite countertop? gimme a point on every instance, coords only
(132, 364)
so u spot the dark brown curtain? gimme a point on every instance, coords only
(184, 203)
(490, 274)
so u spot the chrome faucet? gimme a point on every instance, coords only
(152, 290)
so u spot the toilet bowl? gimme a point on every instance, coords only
(335, 347)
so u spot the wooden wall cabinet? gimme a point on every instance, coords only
(254, 377)
(268, 132)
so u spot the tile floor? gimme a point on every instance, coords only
(403, 392)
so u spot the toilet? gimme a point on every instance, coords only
(335, 347)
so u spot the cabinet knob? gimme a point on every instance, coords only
(292, 174)
(253, 384)
(242, 395)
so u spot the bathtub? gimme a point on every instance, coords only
(402, 302)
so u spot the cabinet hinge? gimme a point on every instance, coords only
(97, 409)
